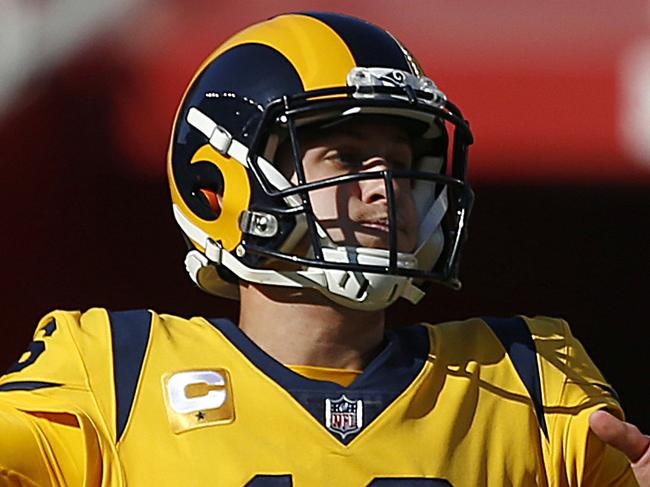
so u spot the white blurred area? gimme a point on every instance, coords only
(38, 35)
(634, 123)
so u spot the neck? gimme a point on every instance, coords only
(302, 327)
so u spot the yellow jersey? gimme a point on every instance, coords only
(135, 398)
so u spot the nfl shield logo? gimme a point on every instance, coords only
(343, 416)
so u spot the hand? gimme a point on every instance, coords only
(627, 438)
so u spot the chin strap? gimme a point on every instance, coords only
(216, 254)
(353, 289)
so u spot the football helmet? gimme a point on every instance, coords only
(243, 218)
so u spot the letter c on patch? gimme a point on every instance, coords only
(182, 403)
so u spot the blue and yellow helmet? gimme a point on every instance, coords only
(242, 218)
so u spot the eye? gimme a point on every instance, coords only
(351, 159)
(345, 159)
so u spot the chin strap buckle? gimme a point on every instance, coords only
(412, 293)
(194, 262)
(213, 251)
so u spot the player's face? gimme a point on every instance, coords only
(356, 214)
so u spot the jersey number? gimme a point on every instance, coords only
(35, 349)
(286, 481)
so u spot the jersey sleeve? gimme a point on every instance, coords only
(573, 388)
(41, 449)
(55, 402)
(67, 365)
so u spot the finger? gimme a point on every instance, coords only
(621, 435)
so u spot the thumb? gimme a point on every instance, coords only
(621, 435)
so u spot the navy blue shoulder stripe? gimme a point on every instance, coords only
(26, 385)
(130, 332)
(370, 45)
(518, 343)
(270, 481)
(50, 328)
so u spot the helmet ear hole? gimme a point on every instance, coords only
(206, 189)
(212, 200)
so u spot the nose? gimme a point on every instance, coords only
(376, 189)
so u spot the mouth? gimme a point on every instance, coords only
(381, 225)
(370, 231)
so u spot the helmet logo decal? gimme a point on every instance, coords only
(395, 77)
(236, 194)
(364, 79)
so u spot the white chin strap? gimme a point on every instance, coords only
(358, 290)
(365, 290)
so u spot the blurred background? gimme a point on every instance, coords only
(558, 94)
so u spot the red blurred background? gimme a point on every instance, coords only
(558, 94)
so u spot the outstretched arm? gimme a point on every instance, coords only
(627, 438)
